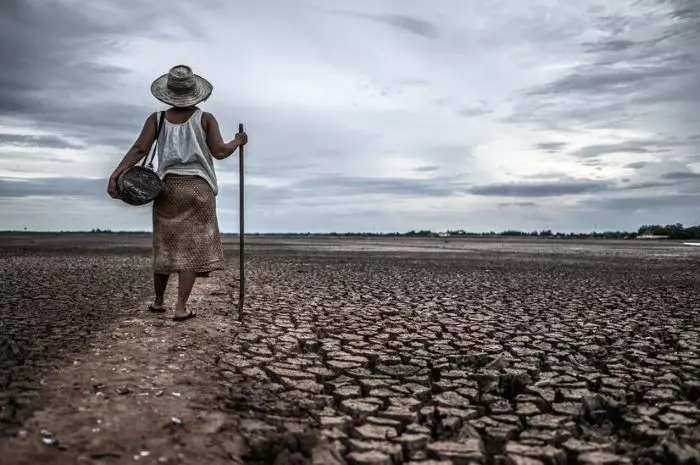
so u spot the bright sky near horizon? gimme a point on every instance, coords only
(371, 115)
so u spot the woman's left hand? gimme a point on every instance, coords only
(241, 138)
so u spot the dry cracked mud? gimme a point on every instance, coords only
(476, 356)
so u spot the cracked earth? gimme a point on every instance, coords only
(359, 352)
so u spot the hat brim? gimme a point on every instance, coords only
(200, 92)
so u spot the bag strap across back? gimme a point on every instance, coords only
(155, 144)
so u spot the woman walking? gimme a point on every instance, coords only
(186, 238)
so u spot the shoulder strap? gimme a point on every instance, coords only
(155, 143)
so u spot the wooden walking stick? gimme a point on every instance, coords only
(241, 230)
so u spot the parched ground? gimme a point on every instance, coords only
(355, 351)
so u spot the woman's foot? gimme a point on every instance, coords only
(182, 313)
(157, 307)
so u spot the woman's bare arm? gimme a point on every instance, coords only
(141, 147)
(218, 148)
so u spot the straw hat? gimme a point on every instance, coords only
(181, 87)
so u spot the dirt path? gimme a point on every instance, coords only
(143, 394)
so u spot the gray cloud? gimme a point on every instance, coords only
(596, 78)
(551, 147)
(686, 10)
(23, 158)
(517, 204)
(475, 110)
(630, 186)
(610, 45)
(404, 23)
(681, 175)
(49, 142)
(627, 79)
(355, 185)
(96, 189)
(427, 169)
(646, 202)
(410, 24)
(541, 189)
(565, 186)
(636, 165)
(53, 187)
(622, 147)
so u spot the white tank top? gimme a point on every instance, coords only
(182, 149)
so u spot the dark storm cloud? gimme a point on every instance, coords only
(49, 142)
(631, 72)
(404, 23)
(551, 147)
(46, 47)
(541, 189)
(48, 52)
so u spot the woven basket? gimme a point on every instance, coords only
(138, 185)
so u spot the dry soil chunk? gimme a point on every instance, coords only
(392, 450)
(458, 452)
(369, 458)
(547, 421)
(358, 409)
(375, 432)
(602, 458)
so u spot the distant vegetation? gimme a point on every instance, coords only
(669, 231)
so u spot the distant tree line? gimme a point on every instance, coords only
(671, 231)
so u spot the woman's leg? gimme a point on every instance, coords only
(185, 284)
(160, 283)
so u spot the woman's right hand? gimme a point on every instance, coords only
(112, 188)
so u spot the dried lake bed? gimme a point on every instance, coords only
(365, 351)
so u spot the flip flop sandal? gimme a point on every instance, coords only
(186, 316)
(155, 309)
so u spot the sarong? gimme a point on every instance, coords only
(186, 233)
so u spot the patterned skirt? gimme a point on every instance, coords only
(186, 233)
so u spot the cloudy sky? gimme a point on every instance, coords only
(370, 115)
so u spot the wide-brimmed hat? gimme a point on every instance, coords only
(181, 87)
